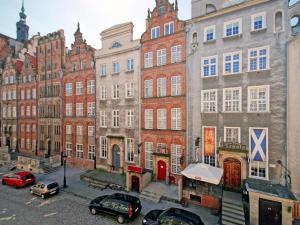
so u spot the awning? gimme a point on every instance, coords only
(203, 172)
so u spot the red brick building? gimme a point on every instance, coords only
(79, 107)
(163, 108)
(27, 106)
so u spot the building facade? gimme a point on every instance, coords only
(79, 105)
(50, 69)
(163, 96)
(118, 77)
(237, 101)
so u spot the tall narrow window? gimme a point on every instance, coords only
(103, 147)
(148, 59)
(91, 109)
(130, 150)
(169, 28)
(116, 67)
(79, 88)
(130, 65)
(176, 85)
(161, 57)
(162, 119)
(149, 119)
(69, 90)
(161, 87)
(155, 32)
(176, 52)
(103, 119)
(79, 151)
(176, 154)
(91, 87)
(103, 93)
(92, 152)
(129, 118)
(103, 70)
(149, 155)
(116, 91)
(148, 88)
(278, 22)
(129, 89)
(176, 119)
(116, 119)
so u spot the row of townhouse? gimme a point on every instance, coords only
(207, 95)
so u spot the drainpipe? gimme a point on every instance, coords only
(286, 115)
(187, 101)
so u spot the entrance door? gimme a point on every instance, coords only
(135, 183)
(232, 173)
(116, 157)
(161, 170)
(270, 213)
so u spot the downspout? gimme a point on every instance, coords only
(187, 102)
(286, 113)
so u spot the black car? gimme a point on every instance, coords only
(124, 207)
(172, 216)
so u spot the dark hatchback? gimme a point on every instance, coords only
(124, 207)
(172, 216)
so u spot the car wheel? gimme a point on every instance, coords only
(3, 182)
(120, 219)
(93, 211)
(43, 196)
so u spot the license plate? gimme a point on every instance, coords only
(53, 192)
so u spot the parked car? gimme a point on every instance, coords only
(18, 179)
(45, 188)
(124, 207)
(172, 216)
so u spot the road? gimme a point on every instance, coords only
(19, 207)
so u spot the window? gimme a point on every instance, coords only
(129, 118)
(4, 95)
(69, 89)
(148, 88)
(258, 59)
(161, 87)
(148, 58)
(73, 67)
(90, 87)
(258, 99)
(103, 71)
(103, 147)
(233, 28)
(34, 146)
(176, 52)
(79, 109)
(91, 131)
(129, 150)
(33, 128)
(155, 32)
(92, 152)
(209, 66)
(116, 67)
(34, 93)
(28, 128)
(149, 155)
(209, 145)
(79, 88)
(79, 151)
(22, 111)
(130, 65)
(258, 21)
(69, 109)
(232, 99)
(129, 89)
(91, 109)
(162, 119)
(232, 134)
(149, 119)
(116, 91)
(79, 130)
(176, 119)
(161, 57)
(82, 65)
(209, 33)
(28, 93)
(68, 129)
(69, 149)
(22, 95)
(176, 85)
(258, 152)
(176, 154)
(209, 101)
(103, 119)
(278, 22)
(169, 28)
(103, 93)
(116, 119)
(28, 110)
(232, 63)
(116, 44)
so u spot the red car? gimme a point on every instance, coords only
(19, 179)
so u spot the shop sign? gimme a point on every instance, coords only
(135, 169)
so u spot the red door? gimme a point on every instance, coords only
(232, 173)
(161, 170)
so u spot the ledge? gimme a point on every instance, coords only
(258, 30)
(210, 42)
(233, 37)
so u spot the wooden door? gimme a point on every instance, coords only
(135, 184)
(270, 213)
(116, 157)
(161, 170)
(232, 173)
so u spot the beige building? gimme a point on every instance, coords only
(117, 81)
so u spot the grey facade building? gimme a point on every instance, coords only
(117, 98)
(237, 77)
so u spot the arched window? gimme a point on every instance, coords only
(278, 21)
(210, 8)
(116, 44)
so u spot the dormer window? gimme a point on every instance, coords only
(169, 28)
(155, 32)
(162, 10)
(116, 44)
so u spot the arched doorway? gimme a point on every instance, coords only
(161, 170)
(232, 173)
(116, 157)
(135, 184)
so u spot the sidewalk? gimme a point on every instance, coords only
(81, 189)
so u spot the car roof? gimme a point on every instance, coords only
(47, 182)
(23, 173)
(182, 213)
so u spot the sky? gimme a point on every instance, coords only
(46, 16)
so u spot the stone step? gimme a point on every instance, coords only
(232, 221)
(233, 215)
(233, 206)
(230, 201)
(150, 196)
(231, 210)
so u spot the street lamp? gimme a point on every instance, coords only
(65, 162)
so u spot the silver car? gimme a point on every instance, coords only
(45, 188)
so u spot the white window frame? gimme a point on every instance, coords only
(148, 88)
(129, 89)
(116, 67)
(103, 70)
(91, 152)
(155, 32)
(231, 101)
(115, 91)
(130, 119)
(79, 130)
(231, 22)
(257, 57)
(103, 93)
(161, 57)
(264, 22)
(115, 119)
(176, 154)
(103, 147)
(162, 119)
(176, 85)
(176, 54)
(130, 65)
(69, 149)
(69, 109)
(129, 150)
(91, 131)
(91, 109)
(79, 88)
(206, 29)
(232, 62)
(149, 155)
(176, 119)
(79, 151)
(103, 119)
(209, 65)
(210, 102)
(169, 28)
(69, 89)
(161, 87)
(91, 87)
(149, 119)
(148, 60)
(68, 129)
(267, 90)
(231, 128)
(79, 109)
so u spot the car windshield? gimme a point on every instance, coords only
(53, 185)
(27, 177)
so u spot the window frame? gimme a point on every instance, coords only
(205, 34)
(225, 133)
(210, 64)
(161, 57)
(264, 22)
(162, 87)
(232, 61)
(267, 87)
(177, 157)
(115, 119)
(162, 119)
(232, 100)
(169, 31)
(176, 119)
(148, 114)
(176, 54)
(156, 33)
(231, 22)
(79, 152)
(129, 149)
(258, 56)
(210, 101)
(103, 153)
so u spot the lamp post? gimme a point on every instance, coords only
(65, 161)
